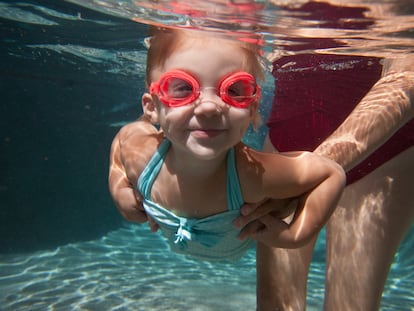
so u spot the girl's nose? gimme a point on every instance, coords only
(209, 103)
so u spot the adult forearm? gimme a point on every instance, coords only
(386, 108)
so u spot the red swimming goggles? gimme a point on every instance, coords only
(178, 88)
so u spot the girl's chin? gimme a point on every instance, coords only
(205, 152)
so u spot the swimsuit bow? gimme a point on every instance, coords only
(186, 232)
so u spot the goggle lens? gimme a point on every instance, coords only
(239, 89)
(177, 88)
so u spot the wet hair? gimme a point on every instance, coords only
(165, 41)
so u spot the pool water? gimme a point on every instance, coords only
(70, 77)
(132, 269)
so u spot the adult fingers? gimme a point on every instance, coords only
(252, 212)
(134, 215)
(274, 232)
(153, 225)
(129, 206)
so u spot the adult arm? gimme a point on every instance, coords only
(130, 147)
(386, 108)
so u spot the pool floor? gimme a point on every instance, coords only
(132, 269)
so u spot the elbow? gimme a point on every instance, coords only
(292, 239)
(302, 240)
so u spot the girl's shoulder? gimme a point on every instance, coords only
(263, 172)
(250, 170)
(249, 157)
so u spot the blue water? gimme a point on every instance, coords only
(70, 77)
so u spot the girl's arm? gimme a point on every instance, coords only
(318, 182)
(316, 206)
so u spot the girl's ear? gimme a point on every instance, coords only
(149, 108)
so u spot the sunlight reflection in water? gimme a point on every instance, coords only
(132, 269)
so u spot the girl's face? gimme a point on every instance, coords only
(208, 127)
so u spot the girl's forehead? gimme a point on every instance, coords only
(200, 42)
(199, 54)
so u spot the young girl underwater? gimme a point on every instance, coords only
(183, 167)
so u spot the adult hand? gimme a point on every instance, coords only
(265, 221)
(129, 204)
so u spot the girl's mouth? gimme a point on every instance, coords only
(206, 133)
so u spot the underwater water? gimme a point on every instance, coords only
(70, 76)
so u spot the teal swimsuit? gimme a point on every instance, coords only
(209, 238)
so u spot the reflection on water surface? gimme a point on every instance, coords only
(376, 28)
